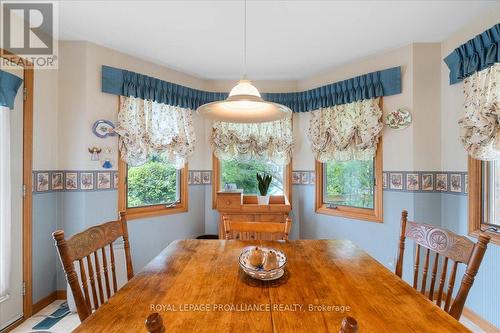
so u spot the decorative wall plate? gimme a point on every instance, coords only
(399, 119)
(103, 128)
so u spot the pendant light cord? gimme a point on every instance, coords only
(245, 40)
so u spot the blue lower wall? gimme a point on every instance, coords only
(75, 211)
(484, 297)
(45, 210)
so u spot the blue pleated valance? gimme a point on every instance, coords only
(477, 54)
(376, 84)
(9, 84)
(125, 83)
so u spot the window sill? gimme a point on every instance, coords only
(144, 212)
(495, 237)
(369, 215)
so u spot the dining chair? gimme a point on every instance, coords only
(454, 249)
(257, 230)
(85, 247)
(154, 323)
(349, 325)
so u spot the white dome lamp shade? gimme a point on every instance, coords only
(244, 105)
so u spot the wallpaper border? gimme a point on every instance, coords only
(450, 182)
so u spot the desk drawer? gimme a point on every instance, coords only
(228, 202)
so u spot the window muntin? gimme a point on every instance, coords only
(349, 183)
(156, 182)
(243, 174)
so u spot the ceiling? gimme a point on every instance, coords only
(285, 39)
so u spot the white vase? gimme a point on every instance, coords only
(263, 199)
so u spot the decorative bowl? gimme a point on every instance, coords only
(258, 272)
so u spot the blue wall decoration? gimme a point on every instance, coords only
(376, 84)
(477, 54)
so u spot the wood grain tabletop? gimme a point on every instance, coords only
(197, 286)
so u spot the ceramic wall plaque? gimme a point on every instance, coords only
(103, 128)
(398, 119)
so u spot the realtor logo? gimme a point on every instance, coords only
(29, 31)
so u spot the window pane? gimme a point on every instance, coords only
(153, 183)
(243, 174)
(496, 198)
(349, 183)
(491, 186)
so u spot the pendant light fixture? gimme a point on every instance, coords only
(244, 103)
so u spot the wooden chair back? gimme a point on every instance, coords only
(257, 230)
(154, 323)
(454, 249)
(349, 325)
(85, 247)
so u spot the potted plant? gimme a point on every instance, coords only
(263, 182)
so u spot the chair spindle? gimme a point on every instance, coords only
(113, 269)
(415, 267)
(433, 276)
(83, 277)
(98, 277)
(425, 270)
(442, 281)
(451, 284)
(92, 282)
(105, 271)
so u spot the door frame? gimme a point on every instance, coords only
(28, 83)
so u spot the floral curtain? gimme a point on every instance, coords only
(270, 141)
(146, 127)
(346, 132)
(480, 125)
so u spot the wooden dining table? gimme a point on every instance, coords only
(198, 286)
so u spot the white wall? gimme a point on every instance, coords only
(426, 100)
(73, 127)
(45, 118)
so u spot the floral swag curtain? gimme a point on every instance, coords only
(146, 127)
(270, 141)
(346, 132)
(480, 125)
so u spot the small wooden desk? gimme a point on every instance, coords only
(238, 207)
(200, 287)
